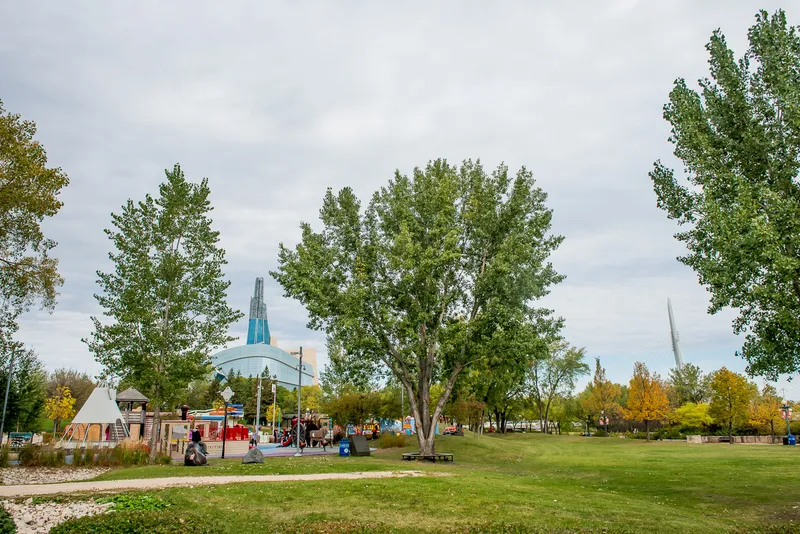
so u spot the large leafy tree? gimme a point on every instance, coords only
(731, 394)
(28, 194)
(647, 397)
(739, 141)
(555, 376)
(419, 282)
(166, 297)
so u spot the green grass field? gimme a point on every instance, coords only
(520, 483)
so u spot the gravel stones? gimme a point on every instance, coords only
(13, 476)
(40, 518)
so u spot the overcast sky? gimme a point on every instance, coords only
(274, 102)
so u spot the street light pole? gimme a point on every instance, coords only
(8, 388)
(274, 407)
(257, 426)
(299, 388)
(786, 409)
(226, 395)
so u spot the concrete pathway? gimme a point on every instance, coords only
(171, 482)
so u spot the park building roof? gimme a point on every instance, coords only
(131, 395)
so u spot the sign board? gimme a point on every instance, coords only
(19, 439)
(227, 393)
(273, 388)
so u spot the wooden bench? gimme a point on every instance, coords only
(441, 457)
(724, 439)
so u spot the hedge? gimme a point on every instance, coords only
(137, 523)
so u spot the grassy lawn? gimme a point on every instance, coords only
(530, 481)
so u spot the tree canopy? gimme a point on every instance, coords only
(167, 296)
(731, 394)
(28, 194)
(647, 397)
(739, 140)
(420, 282)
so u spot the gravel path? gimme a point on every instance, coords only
(160, 483)
(17, 476)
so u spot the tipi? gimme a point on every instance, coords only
(101, 412)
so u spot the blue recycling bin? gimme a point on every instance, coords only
(792, 440)
(344, 447)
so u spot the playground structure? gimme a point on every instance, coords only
(312, 430)
(98, 424)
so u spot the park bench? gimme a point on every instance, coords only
(441, 457)
(724, 439)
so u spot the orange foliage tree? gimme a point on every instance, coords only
(603, 395)
(647, 397)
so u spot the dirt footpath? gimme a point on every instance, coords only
(29, 490)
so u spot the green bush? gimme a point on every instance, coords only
(156, 522)
(165, 459)
(7, 525)
(388, 441)
(600, 434)
(4, 450)
(135, 501)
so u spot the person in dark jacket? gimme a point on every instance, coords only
(195, 451)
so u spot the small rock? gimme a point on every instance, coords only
(27, 518)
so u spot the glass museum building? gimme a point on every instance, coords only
(261, 351)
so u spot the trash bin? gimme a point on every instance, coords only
(792, 440)
(344, 447)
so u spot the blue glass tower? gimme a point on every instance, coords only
(258, 328)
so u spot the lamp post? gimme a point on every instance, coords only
(257, 426)
(226, 394)
(8, 388)
(274, 408)
(300, 368)
(787, 414)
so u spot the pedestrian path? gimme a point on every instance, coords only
(171, 482)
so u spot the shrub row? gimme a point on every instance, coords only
(124, 454)
(159, 522)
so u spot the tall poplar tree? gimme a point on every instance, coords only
(420, 283)
(167, 297)
(739, 140)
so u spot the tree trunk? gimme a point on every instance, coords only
(154, 432)
(730, 432)
(647, 429)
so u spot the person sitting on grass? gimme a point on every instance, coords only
(195, 451)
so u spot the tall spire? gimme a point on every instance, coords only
(676, 348)
(258, 327)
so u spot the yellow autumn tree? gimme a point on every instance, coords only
(273, 410)
(731, 395)
(60, 407)
(765, 409)
(647, 397)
